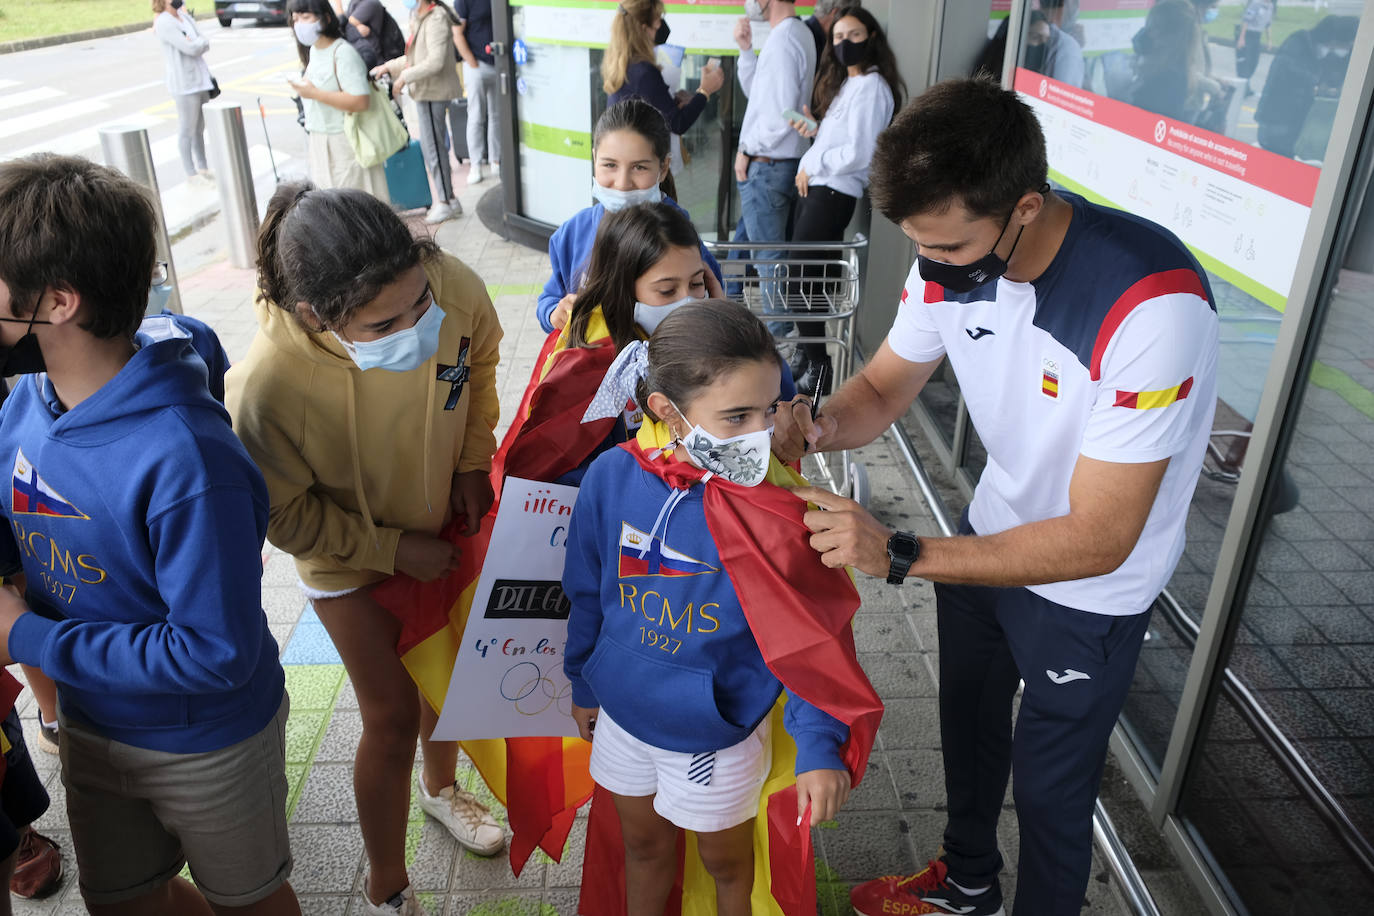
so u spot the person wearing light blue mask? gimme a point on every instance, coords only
(334, 84)
(646, 264)
(630, 159)
(368, 399)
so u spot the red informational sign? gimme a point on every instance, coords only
(1277, 174)
(1241, 209)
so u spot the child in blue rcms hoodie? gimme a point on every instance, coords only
(138, 520)
(630, 152)
(667, 646)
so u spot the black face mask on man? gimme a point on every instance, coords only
(661, 36)
(965, 278)
(25, 357)
(851, 53)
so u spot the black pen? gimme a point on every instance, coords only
(816, 396)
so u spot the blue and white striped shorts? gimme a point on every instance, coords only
(715, 790)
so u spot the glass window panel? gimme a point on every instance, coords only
(1281, 789)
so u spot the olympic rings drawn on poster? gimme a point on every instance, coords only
(532, 692)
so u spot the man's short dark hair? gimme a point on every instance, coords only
(962, 141)
(71, 224)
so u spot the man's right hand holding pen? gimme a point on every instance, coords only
(798, 429)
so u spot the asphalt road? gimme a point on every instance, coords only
(57, 98)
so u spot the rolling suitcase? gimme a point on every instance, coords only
(406, 180)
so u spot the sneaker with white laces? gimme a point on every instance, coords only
(441, 211)
(465, 817)
(475, 173)
(402, 903)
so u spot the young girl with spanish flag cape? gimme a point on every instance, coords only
(646, 263)
(696, 602)
(368, 400)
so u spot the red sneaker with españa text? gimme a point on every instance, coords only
(923, 893)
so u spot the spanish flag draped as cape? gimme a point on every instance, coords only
(545, 441)
(801, 613)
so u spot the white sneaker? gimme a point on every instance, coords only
(475, 173)
(465, 817)
(206, 174)
(442, 211)
(401, 904)
(200, 183)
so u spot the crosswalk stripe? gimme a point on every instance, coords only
(8, 84)
(55, 115)
(29, 97)
(104, 96)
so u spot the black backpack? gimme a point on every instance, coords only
(392, 40)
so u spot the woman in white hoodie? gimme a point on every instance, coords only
(188, 80)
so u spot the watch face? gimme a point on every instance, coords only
(903, 546)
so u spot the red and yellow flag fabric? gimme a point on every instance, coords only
(546, 441)
(801, 614)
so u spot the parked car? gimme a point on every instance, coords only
(273, 12)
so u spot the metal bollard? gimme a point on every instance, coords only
(125, 148)
(228, 151)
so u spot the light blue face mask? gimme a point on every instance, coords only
(613, 199)
(402, 351)
(1211, 15)
(307, 33)
(649, 317)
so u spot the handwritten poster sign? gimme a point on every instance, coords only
(508, 680)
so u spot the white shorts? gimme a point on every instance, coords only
(706, 792)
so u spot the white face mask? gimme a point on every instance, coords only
(739, 459)
(648, 317)
(754, 10)
(402, 351)
(613, 199)
(307, 33)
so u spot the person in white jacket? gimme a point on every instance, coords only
(855, 95)
(188, 80)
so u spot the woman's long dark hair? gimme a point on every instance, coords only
(329, 23)
(644, 119)
(833, 73)
(332, 249)
(628, 243)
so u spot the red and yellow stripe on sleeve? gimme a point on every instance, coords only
(1148, 400)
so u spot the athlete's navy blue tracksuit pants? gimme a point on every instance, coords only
(1077, 667)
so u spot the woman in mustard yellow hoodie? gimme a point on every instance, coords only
(368, 399)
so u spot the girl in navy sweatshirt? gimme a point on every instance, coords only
(668, 648)
(630, 158)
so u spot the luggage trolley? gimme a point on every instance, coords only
(813, 281)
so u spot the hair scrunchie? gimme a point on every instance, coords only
(618, 387)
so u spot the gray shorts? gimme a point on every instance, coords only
(138, 816)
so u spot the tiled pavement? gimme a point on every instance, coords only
(892, 823)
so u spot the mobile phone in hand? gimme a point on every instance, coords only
(792, 114)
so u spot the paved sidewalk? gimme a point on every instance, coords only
(893, 823)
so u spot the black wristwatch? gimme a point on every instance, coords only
(903, 549)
